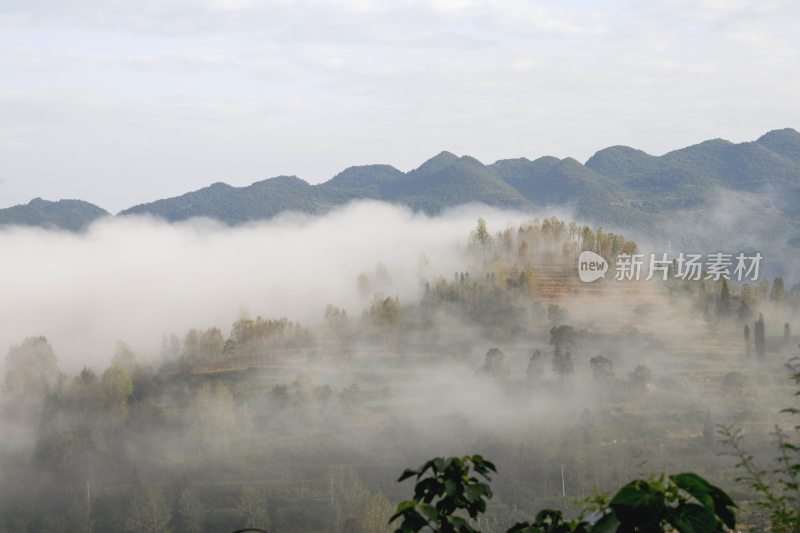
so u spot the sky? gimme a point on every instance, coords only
(119, 102)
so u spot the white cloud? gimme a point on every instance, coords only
(138, 279)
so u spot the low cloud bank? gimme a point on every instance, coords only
(137, 278)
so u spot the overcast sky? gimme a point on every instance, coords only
(120, 102)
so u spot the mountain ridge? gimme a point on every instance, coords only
(617, 185)
(70, 215)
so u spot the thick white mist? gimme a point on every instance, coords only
(137, 278)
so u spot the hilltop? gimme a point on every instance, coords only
(619, 186)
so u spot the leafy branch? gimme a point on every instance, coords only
(447, 499)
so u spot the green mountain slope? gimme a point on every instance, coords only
(746, 166)
(72, 215)
(447, 181)
(236, 205)
(618, 186)
(785, 142)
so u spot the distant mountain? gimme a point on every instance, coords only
(785, 142)
(236, 205)
(441, 182)
(550, 181)
(618, 186)
(447, 181)
(365, 179)
(72, 215)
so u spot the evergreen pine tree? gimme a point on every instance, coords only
(760, 338)
(724, 302)
(747, 339)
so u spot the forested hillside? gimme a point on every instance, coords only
(265, 422)
(619, 186)
(72, 215)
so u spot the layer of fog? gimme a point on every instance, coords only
(734, 221)
(138, 279)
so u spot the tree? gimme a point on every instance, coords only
(117, 387)
(746, 293)
(760, 337)
(322, 393)
(386, 312)
(351, 396)
(86, 390)
(31, 366)
(216, 417)
(724, 302)
(335, 318)
(534, 365)
(347, 497)
(190, 512)
(336, 324)
(747, 340)
(744, 310)
(602, 368)
(124, 357)
(253, 507)
(148, 511)
(210, 344)
(563, 336)
(562, 363)
(191, 342)
(494, 365)
(778, 293)
(86, 377)
(386, 315)
(375, 514)
(641, 377)
(480, 234)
